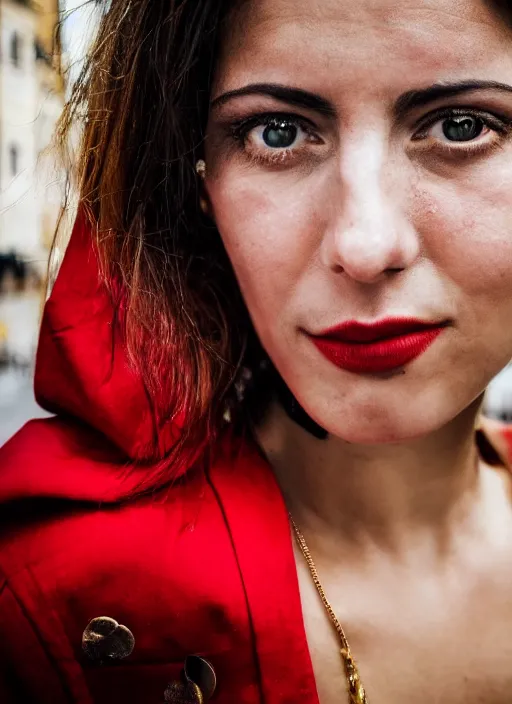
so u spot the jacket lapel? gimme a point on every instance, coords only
(257, 520)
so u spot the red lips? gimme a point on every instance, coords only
(377, 347)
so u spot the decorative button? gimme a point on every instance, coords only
(183, 693)
(198, 683)
(201, 672)
(105, 638)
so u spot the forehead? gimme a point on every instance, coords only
(339, 41)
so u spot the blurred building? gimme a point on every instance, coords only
(31, 190)
(31, 100)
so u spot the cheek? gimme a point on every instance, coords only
(270, 229)
(467, 232)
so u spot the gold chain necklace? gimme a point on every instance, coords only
(355, 689)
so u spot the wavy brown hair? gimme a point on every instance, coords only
(142, 100)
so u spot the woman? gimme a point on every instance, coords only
(286, 291)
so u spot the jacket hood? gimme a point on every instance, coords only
(82, 367)
(105, 421)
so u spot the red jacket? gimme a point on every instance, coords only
(205, 568)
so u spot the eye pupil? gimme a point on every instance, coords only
(462, 129)
(279, 135)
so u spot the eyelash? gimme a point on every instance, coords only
(240, 130)
(501, 126)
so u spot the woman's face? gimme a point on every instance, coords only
(345, 187)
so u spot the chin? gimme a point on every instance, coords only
(368, 434)
(392, 419)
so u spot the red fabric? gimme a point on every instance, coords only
(206, 567)
(82, 366)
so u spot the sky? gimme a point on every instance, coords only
(79, 23)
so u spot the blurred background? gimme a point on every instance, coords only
(42, 46)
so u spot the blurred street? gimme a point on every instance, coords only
(19, 316)
(17, 403)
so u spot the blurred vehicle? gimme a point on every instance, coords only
(13, 272)
(498, 397)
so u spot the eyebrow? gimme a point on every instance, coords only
(419, 98)
(293, 96)
(406, 102)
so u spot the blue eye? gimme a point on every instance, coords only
(279, 135)
(462, 128)
(276, 139)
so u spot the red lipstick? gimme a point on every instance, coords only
(377, 347)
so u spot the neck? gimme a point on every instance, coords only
(367, 496)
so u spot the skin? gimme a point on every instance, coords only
(377, 216)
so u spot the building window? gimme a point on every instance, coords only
(15, 49)
(14, 159)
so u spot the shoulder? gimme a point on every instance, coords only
(162, 566)
(65, 509)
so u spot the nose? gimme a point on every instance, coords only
(369, 233)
